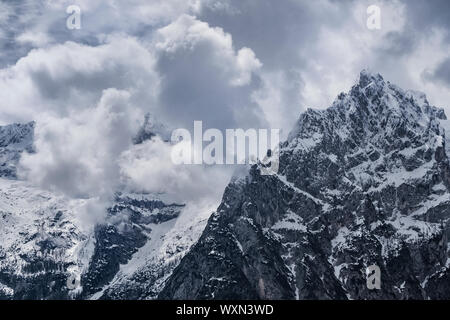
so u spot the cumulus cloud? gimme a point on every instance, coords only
(188, 33)
(89, 102)
(46, 20)
(67, 78)
(78, 155)
(148, 167)
(205, 78)
(311, 51)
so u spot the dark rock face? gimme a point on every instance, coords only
(14, 139)
(112, 249)
(364, 182)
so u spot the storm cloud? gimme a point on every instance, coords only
(229, 63)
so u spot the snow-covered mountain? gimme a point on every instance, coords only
(152, 127)
(47, 251)
(40, 241)
(364, 182)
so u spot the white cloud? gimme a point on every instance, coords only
(148, 167)
(37, 39)
(70, 77)
(188, 33)
(88, 103)
(280, 98)
(78, 155)
(204, 77)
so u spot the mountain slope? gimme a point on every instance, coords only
(41, 242)
(45, 240)
(363, 182)
(143, 276)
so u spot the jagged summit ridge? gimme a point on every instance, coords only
(373, 100)
(367, 77)
(373, 128)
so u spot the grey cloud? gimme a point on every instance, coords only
(440, 74)
(396, 44)
(280, 33)
(193, 88)
(71, 77)
(275, 31)
(421, 18)
(98, 18)
(198, 71)
(15, 17)
(425, 15)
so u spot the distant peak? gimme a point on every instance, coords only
(150, 128)
(366, 77)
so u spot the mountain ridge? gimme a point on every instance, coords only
(363, 182)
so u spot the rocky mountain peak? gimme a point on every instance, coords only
(363, 182)
(374, 112)
(366, 77)
(151, 127)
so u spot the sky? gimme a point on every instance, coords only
(229, 63)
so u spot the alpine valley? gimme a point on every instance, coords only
(363, 182)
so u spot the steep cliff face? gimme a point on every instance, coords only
(364, 182)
